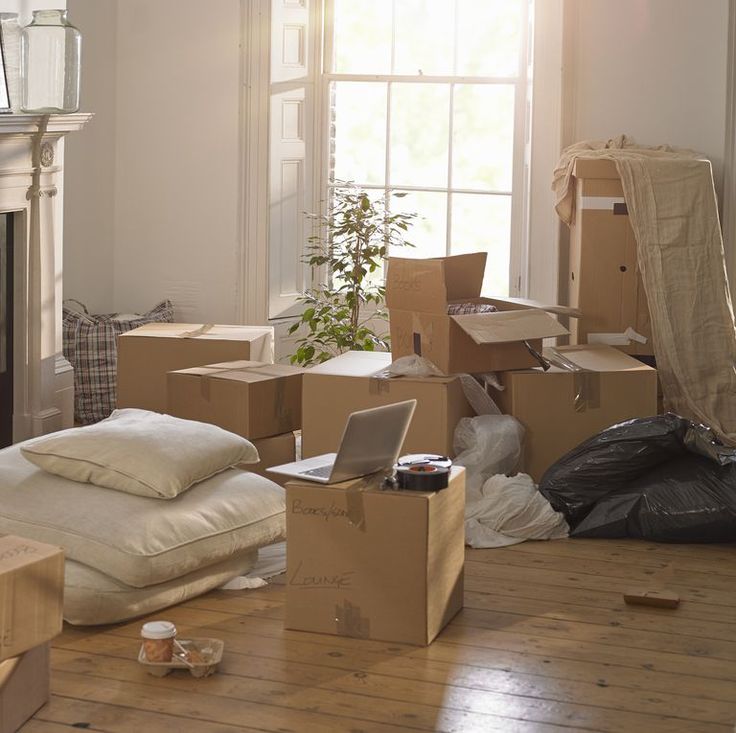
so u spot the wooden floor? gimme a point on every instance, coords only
(545, 643)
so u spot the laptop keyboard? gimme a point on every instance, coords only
(320, 472)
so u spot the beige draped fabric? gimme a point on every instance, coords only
(673, 212)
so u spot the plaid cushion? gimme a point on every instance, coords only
(91, 348)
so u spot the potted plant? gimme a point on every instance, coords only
(351, 242)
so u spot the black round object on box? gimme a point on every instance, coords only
(422, 477)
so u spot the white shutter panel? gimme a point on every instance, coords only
(291, 159)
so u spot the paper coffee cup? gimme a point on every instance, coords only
(158, 640)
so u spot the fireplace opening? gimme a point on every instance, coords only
(7, 271)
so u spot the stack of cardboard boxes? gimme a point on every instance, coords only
(31, 600)
(363, 561)
(587, 388)
(222, 375)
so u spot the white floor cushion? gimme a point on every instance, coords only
(137, 540)
(140, 452)
(92, 598)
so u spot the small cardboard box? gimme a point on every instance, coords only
(146, 354)
(604, 279)
(273, 451)
(374, 564)
(249, 398)
(561, 408)
(24, 687)
(31, 594)
(418, 293)
(334, 389)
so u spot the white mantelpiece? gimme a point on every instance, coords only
(30, 184)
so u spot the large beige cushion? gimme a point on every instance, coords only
(92, 598)
(141, 452)
(137, 540)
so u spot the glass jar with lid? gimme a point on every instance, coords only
(50, 56)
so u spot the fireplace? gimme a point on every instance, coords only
(36, 382)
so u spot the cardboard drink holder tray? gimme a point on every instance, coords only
(212, 648)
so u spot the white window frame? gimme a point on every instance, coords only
(519, 193)
(536, 266)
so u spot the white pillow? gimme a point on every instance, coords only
(93, 598)
(140, 452)
(140, 541)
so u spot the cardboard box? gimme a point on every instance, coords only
(273, 451)
(604, 279)
(24, 687)
(418, 293)
(374, 564)
(146, 354)
(249, 398)
(559, 409)
(31, 594)
(334, 389)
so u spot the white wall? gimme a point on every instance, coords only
(154, 203)
(153, 185)
(89, 178)
(653, 69)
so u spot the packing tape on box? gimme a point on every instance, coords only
(349, 621)
(378, 385)
(196, 332)
(421, 334)
(586, 384)
(354, 504)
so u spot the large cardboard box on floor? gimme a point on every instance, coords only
(374, 564)
(24, 687)
(418, 295)
(250, 398)
(146, 354)
(31, 594)
(588, 389)
(334, 389)
(273, 451)
(604, 279)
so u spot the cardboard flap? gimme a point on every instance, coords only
(505, 326)
(560, 310)
(427, 285)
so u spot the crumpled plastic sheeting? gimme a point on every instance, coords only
(508, 510)
(271, 562)
(499, 510)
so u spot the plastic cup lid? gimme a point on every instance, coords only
(158, 630)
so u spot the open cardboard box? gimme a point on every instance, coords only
(418, 293)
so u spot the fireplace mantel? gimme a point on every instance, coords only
(31, 188)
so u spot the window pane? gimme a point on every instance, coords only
(359, 132)
(424, 37)
(428, 232)
(362, 39)
(483, 223)
(419, 134)
(489, 35)
(483, 136)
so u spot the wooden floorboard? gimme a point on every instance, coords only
(544, 643)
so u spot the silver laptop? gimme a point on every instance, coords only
(371, 442)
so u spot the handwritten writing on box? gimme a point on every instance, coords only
(325, 513)
(331, 581)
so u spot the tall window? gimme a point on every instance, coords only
(429, 97)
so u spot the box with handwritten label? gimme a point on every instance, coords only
(374, 564)
(31, 594)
